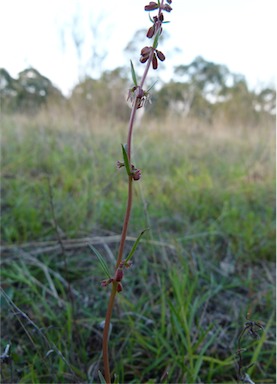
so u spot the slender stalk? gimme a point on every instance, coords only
(126, 221)
(106, 335)
(136, 105)
(107, 373)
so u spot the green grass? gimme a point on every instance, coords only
(208, 195)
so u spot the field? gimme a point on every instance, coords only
(205, 266)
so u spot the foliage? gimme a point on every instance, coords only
(102, 97)
(27, 93)
(201, 89)
(212, 199)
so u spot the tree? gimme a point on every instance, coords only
(27, 93)
(208, 77)
(103, 96)
(180, 99)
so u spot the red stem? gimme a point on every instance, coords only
(106, 335)
(124, 229)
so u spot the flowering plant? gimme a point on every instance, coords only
(138, 96)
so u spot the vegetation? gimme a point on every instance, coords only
(202, 90)
(208, 260)
(198, 303)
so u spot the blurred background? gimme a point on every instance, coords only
(72, 42)
(205, 142)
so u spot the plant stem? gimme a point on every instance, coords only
(106, 335)
(126, 221)
(107, 373)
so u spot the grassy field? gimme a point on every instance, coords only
(208, 196)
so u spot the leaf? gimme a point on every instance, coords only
(126, 160)
(135, 245)
(101, 260)
(101, 377)
(134, 77)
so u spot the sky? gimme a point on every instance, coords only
(40, 33)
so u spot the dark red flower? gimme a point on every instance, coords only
(167, 8)
(143, 59)
(160, 55)
(145, 51)
(154, 62)
(118, 274)
(151, 31)
(136, 174)
(151, 6)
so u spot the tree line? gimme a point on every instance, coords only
(201, 89)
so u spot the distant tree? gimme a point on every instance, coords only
(9, 89)
(210, 89)
(27, 93)
(103, 96)
(266, 101)
(180, 99)
(210, 78)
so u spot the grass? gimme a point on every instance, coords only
(208, 195)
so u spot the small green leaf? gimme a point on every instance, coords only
(101, 261)
(101, 377)
(135, 245)
(116, 379)
(126, 160)
(134, 77)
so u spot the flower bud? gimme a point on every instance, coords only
(167, 8)
(151, 32)
(160, 55)
(143, 59)
(151, 6)
(118, 274)
(154, 62)
(136, 174)
(145, 51)
(119, 287)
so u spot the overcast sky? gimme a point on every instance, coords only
(38, 33)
